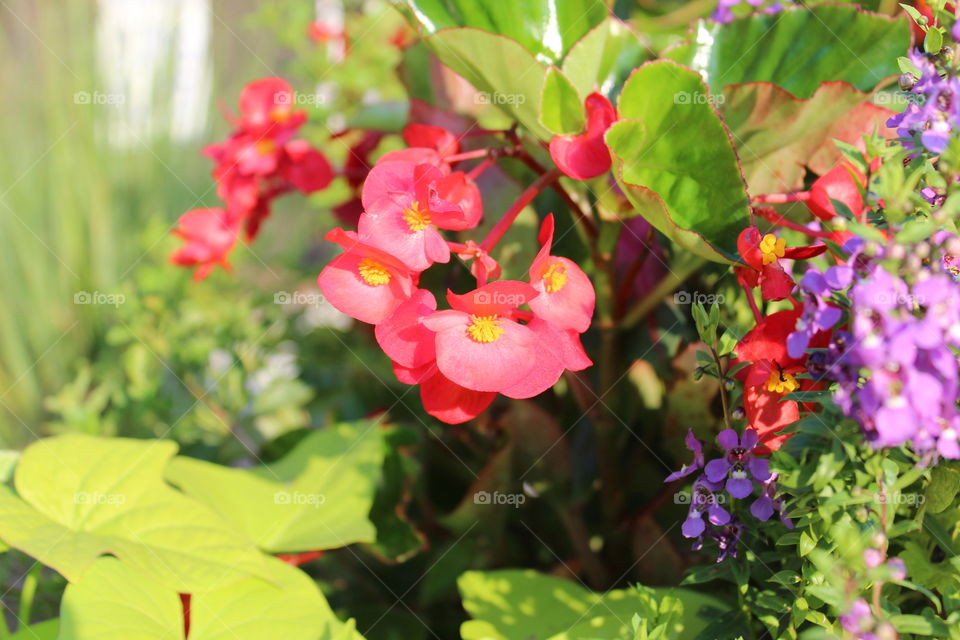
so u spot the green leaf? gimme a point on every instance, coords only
(545, 28)
(46, 630)
(113, 602)
(511, 604)
(504, 73)
(317, 497)
(798, 48)
(933, 41)
(81, 497)
(674, 159)
(561, 110)
(604, 57)
(943, 487)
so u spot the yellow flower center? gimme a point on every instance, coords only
(484, 328)
(772, 248)
(555, 277)
(265, 147)
(416, 217)
(373, 273)
(782, 382)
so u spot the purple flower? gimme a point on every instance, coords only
(703, 500)
(723, 14)
(737, 462)
(769, 503)
(693, 445)
(898, 568)
(818, 314)
(932, 120)
(727, 539)
(858, 620)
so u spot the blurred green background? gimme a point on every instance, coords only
(108, 106)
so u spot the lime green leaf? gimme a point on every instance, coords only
(604, 57)
(46, 630)
(81, 497)
(545, 28)
(317, 497)
(933, 41)
(511, 604)
(942, 489)
(673, 157)
(8, 462)
(113, 602)
(561, 110)
(798, 49)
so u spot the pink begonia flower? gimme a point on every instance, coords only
(557, 350)
(441, 398)
(566, 297)
(403, 212)
(586, 155)
(210, 235)
(403, 337)
(364, 282)
(432, 137)
(479, 346)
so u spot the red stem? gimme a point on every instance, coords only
(185, 605)
(525, 198)
(467, 155)
(297, 559)
(757, 316)
(782, 198)
(480, 168)
(777, 219)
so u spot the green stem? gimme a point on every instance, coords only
(28, 593)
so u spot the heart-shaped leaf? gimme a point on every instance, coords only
(81, 497)
(674, 160)
(317, 497)
(798, 49)
(114, 602)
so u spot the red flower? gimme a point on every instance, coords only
(209, 236)
(772, 375)
(586, 155)
(432, 137)
(266, 109)
(843, 184)
(566, 297)
(763, 253)
(443, 399)
(364, 282)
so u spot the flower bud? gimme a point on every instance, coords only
(907, 81)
